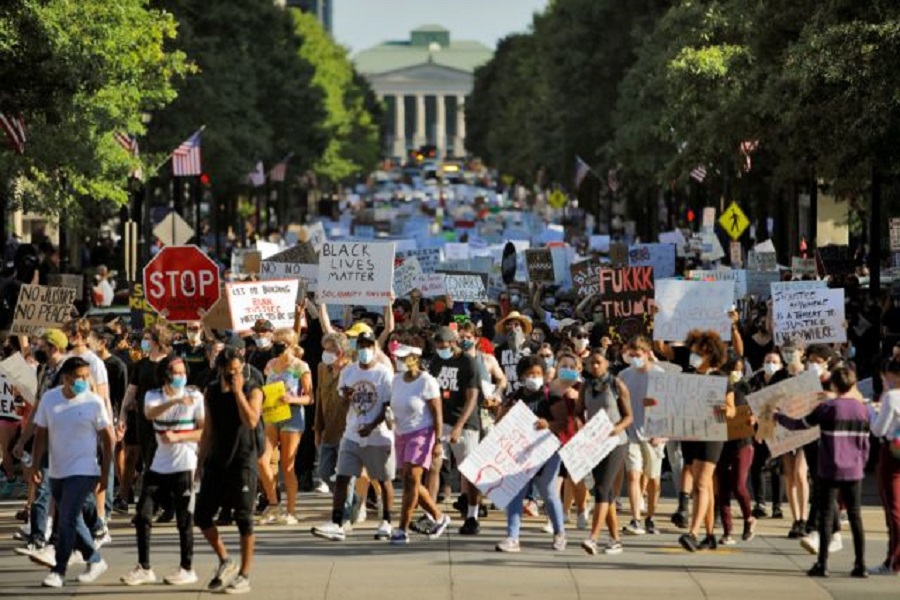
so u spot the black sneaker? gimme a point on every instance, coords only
(688, 541)
(860, 571)
(759, 511)
(650, 527)
(470, 527)
(166, 516)
(796, 531)
(120, 506)
(482, 512)
(776, 512)
(422, 525)
(262, 503)
(818, 570)
(680, 519)
(224, 575)
(462, 505)
(708, 543)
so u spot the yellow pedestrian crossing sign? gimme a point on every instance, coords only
(734, 221)
(557, 199)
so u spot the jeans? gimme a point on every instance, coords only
(546, 482)
(850, 492)
(70, 494)
(177, 488)
(327, 462)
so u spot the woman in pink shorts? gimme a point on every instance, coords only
(416, 407)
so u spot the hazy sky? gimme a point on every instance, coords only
(359, 24)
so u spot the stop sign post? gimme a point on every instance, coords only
(181, 283)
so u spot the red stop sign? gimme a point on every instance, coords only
(180, 282)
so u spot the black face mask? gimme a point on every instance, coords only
(41, 356)
(278, 349)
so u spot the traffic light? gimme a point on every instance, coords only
(205, 180)
(690, 215)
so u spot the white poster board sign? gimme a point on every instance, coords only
(659, 256)
(21, 375)
(267, 249)
(306, 274)
(356, 273)
(589, 446)
(429, 258)
(465, 288)
(795, 397)
(432, 285)
(683, 406)
(686, 305)
(40, 307)
(406, 277)
(506, 460)
(317, 235)
(812, 314)
(274, 301)
(737, 276)
(456, 251)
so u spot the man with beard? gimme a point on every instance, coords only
(515, 327)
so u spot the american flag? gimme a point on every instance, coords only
(698, 173)
(581, 171)
(13, 126)
(747, 148)
(279, 172)
(612, 180)
(257, 176)
(186, 157)
(128, 142)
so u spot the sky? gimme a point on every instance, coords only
(360, 24)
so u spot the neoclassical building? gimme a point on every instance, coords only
(424, 82)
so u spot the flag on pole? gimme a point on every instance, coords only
(612, 180)
(257, 176)
(747, 148)
(279, 171)
(128, 142)
(698, 173)
(581, 171)
(186, 157)
(13, 126)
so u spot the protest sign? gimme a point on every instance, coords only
(274, 301)
(736, 252)
(795, 397)
(659, 256)
(356, 273)
(246, 262)
(539, 263)
(600, 243)
(618, 254)
(273, 409)
(317, 236)
(406, 277)
(21, 375)
(761, 261)
(589, 446)
(40, 307)
(586, 277)
(76, 282)
(737, 276)
(465, 287)
(429, 258)
(456, 251)
(509, 456)
(766, 247)
(740, 426)
(685, 407)
(219, 316)
(687, 305)
(563, 256)
(812, 313)
(302, 253)
(758, 283)
(142, 316)
(711, 248)
(836, 260)
(804, 267)
(432, 285)
(626, 296)
(708, 220)
(308, 275)
(266, 249)
(675, 238)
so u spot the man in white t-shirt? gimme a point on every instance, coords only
(70, 420)
(367, 441)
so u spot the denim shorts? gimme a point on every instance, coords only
(297, 422)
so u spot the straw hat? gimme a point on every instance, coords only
(514, 316)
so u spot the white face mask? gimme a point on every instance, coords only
(772, 368)
(365, 355)
(193, 337)
(263, 342)
(818, 369)
(533, 384)
(695, 360)
(580, 344)
(401, 367)
(735, 376)
(790, 356)
(329, 358)
(637, 362)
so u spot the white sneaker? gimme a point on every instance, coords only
(138, 576)
(614, 547)
(590, 546)
(93, 571)
(582, 521)
(53, 580)
(384, 531)
(181, 577)
(559, 542)
(287, 519)
(361, 515)
(322, 488)
(29, 549)
(269, 515)
(238, 585)
(634, 528)
(547, 527)
(102, 540)
(329, 531)
(810, 542)
(439, 527)
(75, 559)
(508, 545)
(836, 544)
(46, 556)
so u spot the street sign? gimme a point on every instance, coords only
(173, 230)
(557, 199)
(734, 221)
(895, 233)
(181, 283)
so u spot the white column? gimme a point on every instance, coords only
(440, 133)
(420, 138)
(399, 126)
(459, 145)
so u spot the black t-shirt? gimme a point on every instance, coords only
(233, 443)
(509, 360)
(259, 357)
(251, 374)
(455, 376)
(117, 372)
(537, 402)
(196, 361)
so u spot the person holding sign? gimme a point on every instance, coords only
(286, 367)
(553, 416)
(771, 373)
(796, 468)
(606, 392)
(843, 449)
(418, 423)
(177, 414)
(708, 355)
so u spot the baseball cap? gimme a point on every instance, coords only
(358, 329)
(403, 351)
(366, 336)
(445, 334)
(263, 325)
(56, 338)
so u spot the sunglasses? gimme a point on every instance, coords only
(581, 336)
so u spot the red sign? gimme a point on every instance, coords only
(181, 282)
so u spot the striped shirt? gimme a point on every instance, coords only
(844, 444)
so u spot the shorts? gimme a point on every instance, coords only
(378, 461)
(646, 458)
(9, 422)
(296, 424)
(234, 487)
(131, 436)
(605, 474)
(467, 443)
(701, 451)
(414, 448)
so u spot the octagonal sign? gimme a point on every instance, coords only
(181, 283)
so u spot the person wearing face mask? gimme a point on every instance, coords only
(548, 360)
(457, 375)
(260, 352)
(886, 430)
(771, 373)
(796, 471)
(514, 327)
(71, 421)
(177, 413)
(581, 342)
(288, 368)
(367, 440)
(534, 393)
(564, 389)
(192, 349)
(489, 371)
(331, 405)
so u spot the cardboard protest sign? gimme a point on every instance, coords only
(740, 426)
(804, 267)
(659, 256)
(736, 254)
(219, 316)
(738, 276)
(507, 459)
(761, 261)
(758, 283)
(76, 282)
(539, 263)
(796, 397)
(40, 307)
(686, 305)
(273, 409)
(618, 254)
(432, 285)
(356, 273)
(626, 297)
(685, 407)
(586, 277)
(465, 288)
(429, 258)
(246, 262)
(407, 277)
(814, 314)
(589, 446)
(274, 301)
(22, 376)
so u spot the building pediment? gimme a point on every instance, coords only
(425, 73)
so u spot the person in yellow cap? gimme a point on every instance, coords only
(515, 327)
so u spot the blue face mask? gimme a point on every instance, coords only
(445, 353)
(145, 346)
(365, 355)
(568, 374)
(548, 361)
(466, 344)
(80, 386)
(178, 382)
